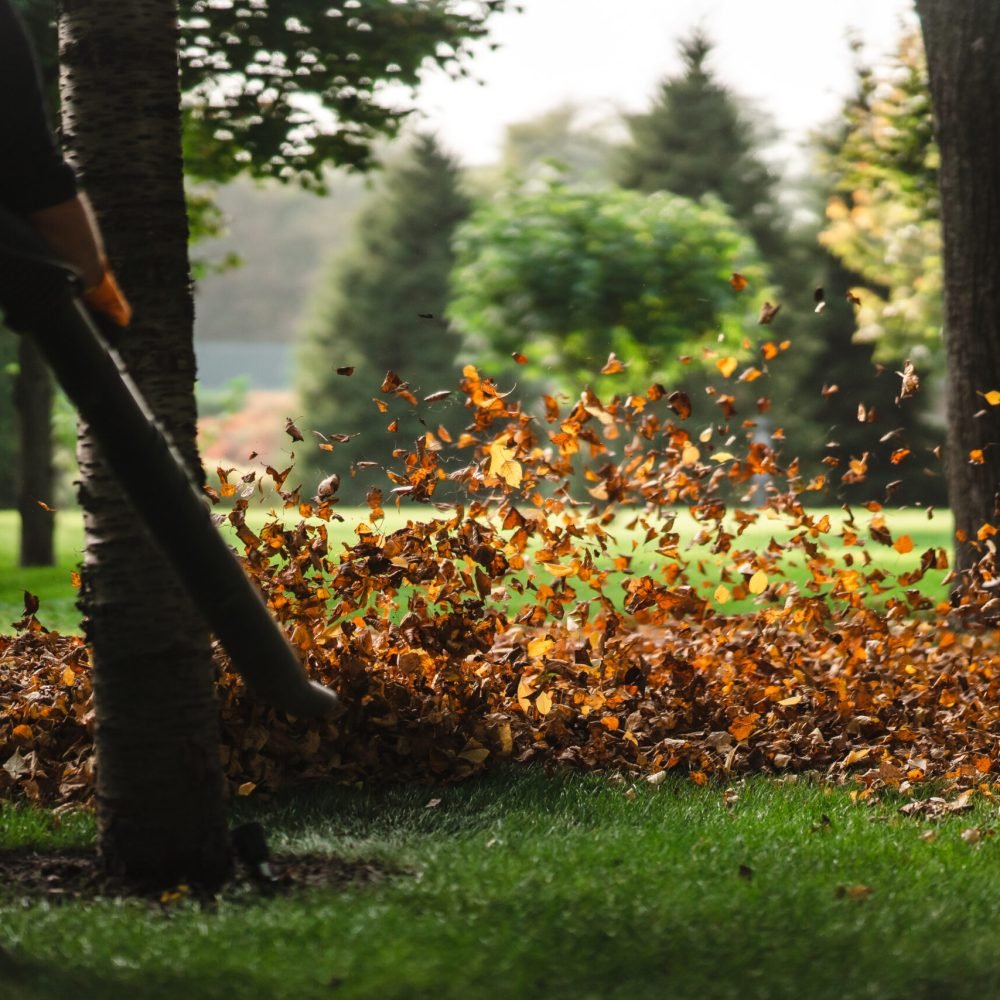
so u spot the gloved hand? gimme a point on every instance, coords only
(107, 299)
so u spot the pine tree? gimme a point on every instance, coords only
(382, 309)
(696, 139)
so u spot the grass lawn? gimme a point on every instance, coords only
(523, 886)
(58, 609)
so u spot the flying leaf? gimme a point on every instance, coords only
(903, 544)
(911, 382)
(503, 464)
(346, 370)
(690, 455)
(767, 313)
(727, 366)
(992, 397)
(738, 282)
(292, 431)
(521, 359)
(613, 366)
(722, 594)
(819, 297)
(680, 403)
(757, 583)
(391, 382)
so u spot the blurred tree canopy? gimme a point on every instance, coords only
(381, 308)
(566, 275)
(695, 139)
(279, 90)
(560, 139)
(884, 215)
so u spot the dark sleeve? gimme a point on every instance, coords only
(33, 174)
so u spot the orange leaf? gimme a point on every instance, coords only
(727, 366)
(903, 544)
(743, 726)
(738, 282)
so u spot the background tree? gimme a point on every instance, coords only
(562, 139)
(962, 42)
(159, 788)
(382, 308)
(160, 808)
(281, 90)
(32, 388)
(696, 139)
(567, 275)
(884, 215)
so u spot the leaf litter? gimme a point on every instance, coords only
(543, 607)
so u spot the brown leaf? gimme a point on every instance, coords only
(767, 313)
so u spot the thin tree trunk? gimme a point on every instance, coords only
(159, 782)
(36, 480)
(962, 40)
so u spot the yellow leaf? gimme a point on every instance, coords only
(758, 582)
(727, 366)
(539, 647)
(722, 595)
(246, 788)
(795, 699)
(525, 690)
(544, 703)
(723, 456)
(690, 455)
(554, 569)
(476, 755)
(68, 677)
(992, 397)
(503, 464)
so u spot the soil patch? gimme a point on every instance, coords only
(56, 876)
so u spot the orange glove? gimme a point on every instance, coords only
(107, 299)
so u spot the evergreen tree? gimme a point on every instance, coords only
(696, 140)
(381, 309)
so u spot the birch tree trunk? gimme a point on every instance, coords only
(159, 780)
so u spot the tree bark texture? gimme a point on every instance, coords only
(36, 478)
(962, 39)
(159, 781)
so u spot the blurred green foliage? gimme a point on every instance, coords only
(566, 275)
(883, 216)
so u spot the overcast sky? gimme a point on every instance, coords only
(791, 56)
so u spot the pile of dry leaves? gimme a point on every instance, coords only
(522, 624)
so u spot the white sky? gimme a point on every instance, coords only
(791, 56)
